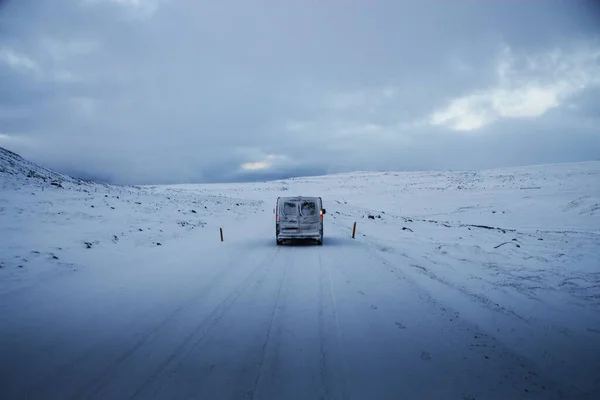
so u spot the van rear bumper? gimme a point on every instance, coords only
(299, 235)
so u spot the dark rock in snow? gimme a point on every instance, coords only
(502, 244)
(371, 217)
(158, 243)
(406, 229)
(88, 245)
(193, 211)
(483, 226)
(57, 184)
(140, 229)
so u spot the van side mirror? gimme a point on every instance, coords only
(324, 211)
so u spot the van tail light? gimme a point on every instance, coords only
(277, 218)
(321, 215)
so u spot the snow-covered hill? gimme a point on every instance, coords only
(17, 172)
(47, 218)
(486, 282)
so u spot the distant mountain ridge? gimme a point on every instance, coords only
(15, 171)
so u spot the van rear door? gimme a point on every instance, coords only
(289, 217)
(309, 215)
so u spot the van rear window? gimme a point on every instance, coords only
(290, 208)
(308, 208)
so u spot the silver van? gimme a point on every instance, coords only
(299, 218)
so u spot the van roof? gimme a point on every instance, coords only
(314, 198)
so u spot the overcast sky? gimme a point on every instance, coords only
(159, 91)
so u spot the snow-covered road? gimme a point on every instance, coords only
(128, 293)
(256, 321)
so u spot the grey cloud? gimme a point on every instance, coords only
(190, 91)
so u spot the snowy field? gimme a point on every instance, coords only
(458, 285)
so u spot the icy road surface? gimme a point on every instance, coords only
(432, 311)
